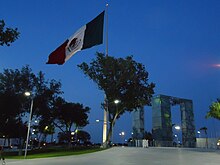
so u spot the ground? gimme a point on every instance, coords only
(132, 155)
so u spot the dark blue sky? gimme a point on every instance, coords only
(177, 41)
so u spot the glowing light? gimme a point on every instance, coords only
(117, 101)
(27, 93)
(217, 65)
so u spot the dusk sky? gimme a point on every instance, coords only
(177, 40)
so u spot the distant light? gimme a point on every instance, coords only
(116, 101)
(46, 127)
(27, 93)
(177, 127)
(198, 132)
(72, 133)
(122, 133)
(175, 135)
(97, 120)
(132, 133)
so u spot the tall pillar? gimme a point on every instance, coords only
(161, 118)
(138, 124)
(188, 127)
(105, 128)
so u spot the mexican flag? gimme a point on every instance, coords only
(87, 36)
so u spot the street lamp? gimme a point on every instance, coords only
(116, 103)
(122, 134)
(198, 133)
(29, 122)
(177, 127)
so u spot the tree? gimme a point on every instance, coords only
(68, 115)
(83, 136)
(75, 138)
(214, 110)
(17, 81)
(64, 137)
(9, 118)
(122, 79)
(7, 35)
(14, 105)
(46, 92)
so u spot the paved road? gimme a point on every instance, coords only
(132, 156)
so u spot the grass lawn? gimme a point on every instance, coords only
(52, 152)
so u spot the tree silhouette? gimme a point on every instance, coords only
(69, 116)
(120, 78)
(7, 35)
(214, 110)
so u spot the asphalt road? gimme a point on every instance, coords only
(131, 155)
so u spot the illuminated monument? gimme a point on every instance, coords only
(162, 123)
(138, 124)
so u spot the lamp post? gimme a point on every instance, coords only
(198, 134)
(29, 123)
(122, 134)
(116, 103)
(177, 127)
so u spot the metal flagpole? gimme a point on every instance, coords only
(106, 30)
(105, 120)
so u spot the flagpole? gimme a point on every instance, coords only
(106, 30)
(105, 120)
